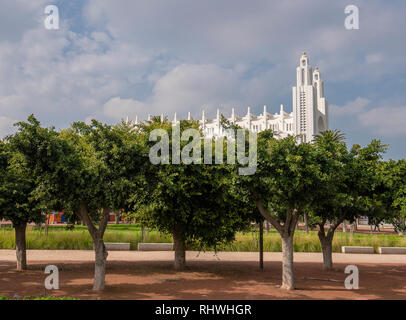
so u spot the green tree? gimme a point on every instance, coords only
(332, 194)
(335, 162)
(350, 181)
(85, 171)
(108, 158)
(393, 196)
(19, 201)
(282, 188)
(192, 201)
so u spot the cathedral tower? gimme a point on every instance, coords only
(310, 108)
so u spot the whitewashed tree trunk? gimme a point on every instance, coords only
(286, 230)
(100, 264)
(21, 251)
(288, 280)
(327, 248)
(326, 241)
(98, 243)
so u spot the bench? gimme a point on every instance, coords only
(356, 249)
(164, 246)
(392, 250)
(117, 246)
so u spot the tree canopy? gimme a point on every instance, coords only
(193, 202)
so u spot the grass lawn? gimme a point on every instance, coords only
(78, 238)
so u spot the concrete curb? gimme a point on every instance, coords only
(357, 249)
(117, 246)
(144, 246)
(392, 250)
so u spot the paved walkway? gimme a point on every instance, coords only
(88, 255)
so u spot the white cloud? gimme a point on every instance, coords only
(139, 57)
(196, 87)
(350, 108)
(6, 126)
(117, 108)
(16, 16)
(188, 87)
(185, 88)
(387, 121)
(229, 32)
(383, 120)
(64, 76)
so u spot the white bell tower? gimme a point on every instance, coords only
(322, 106)
(310, 108)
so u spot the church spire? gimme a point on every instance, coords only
(318, 83)
(304, 72)
(310, 108)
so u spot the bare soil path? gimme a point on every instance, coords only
(229, 275)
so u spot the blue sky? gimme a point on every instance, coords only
(112, 59)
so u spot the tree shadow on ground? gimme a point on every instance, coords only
(205, 280)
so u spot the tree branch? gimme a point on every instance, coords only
(268, 216)
(288, 219)
(334, 226)
(84, 216)
(103, 221)
(294, 216)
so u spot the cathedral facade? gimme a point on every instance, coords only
(308, 118)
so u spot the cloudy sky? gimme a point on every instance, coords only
(116, 58)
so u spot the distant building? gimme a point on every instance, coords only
(308, 118)
(310, 107)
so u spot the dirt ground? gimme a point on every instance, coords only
(207, 279)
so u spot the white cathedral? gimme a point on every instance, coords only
(308, 118)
